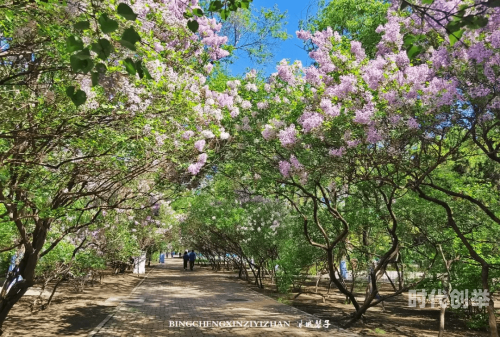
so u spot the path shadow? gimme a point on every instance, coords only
(84, 319)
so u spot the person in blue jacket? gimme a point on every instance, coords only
(186, 259)
(192, 257)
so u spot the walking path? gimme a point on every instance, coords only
(171, 300)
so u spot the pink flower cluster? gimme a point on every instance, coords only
(199, 145)
(195, 168)
(269, 132)
(208, 29)
(337, 152)
(284, 167)
(288, 136)
(293, 166)
(310, 121)
(376, 96)
(328, 108)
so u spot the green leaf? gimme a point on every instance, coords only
(75, 63)
(481, 21)
(404, 4)
(475, 22)
(224, 14)
(245, 4)
(146, 73)
(139, 68)
(101, 68)
(70, 91)
(86, 66)
(129, 66)
(103, 48)
(80, 65)
(215, 6)
(193, 25)
(198, 12)
(129, 38)
(454, 26)
(455, 36)
(187, 14)
(414, 51)
(82, 25)
(95, 79)
(408, 40)
(83, 55)
(8, 15)
(460, 13)
(79, 97)
(142, 71)
(427, 2)
(74, 43)
(107, 25)
(127, 12)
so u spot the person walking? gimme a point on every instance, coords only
(186, 259)
(192, 257)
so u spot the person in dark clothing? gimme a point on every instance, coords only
(192, 257)
(186, 259)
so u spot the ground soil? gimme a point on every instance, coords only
(398, 319)
(71, 313)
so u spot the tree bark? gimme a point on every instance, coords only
(492, 321)
(26, 269)
(46, 305)
(441, 321)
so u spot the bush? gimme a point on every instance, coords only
(478, 321)
(4, 262)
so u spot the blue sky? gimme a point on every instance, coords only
(290, 49)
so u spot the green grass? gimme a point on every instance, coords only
(284, 300)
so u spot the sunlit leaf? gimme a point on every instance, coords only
(129, 66)
(414, 51)
(198, 12)
(455, 36)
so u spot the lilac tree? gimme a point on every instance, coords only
(394, 119)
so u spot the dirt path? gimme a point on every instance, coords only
(170, 300)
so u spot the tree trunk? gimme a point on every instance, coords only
(16, 292)
(492, 321)
(46, 305)
(392, 284)
(333, 278)
(26, 269)
(348, 300)
(400, 275)
(317, 283)
(441, 320)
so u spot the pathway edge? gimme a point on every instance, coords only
(104, 321)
